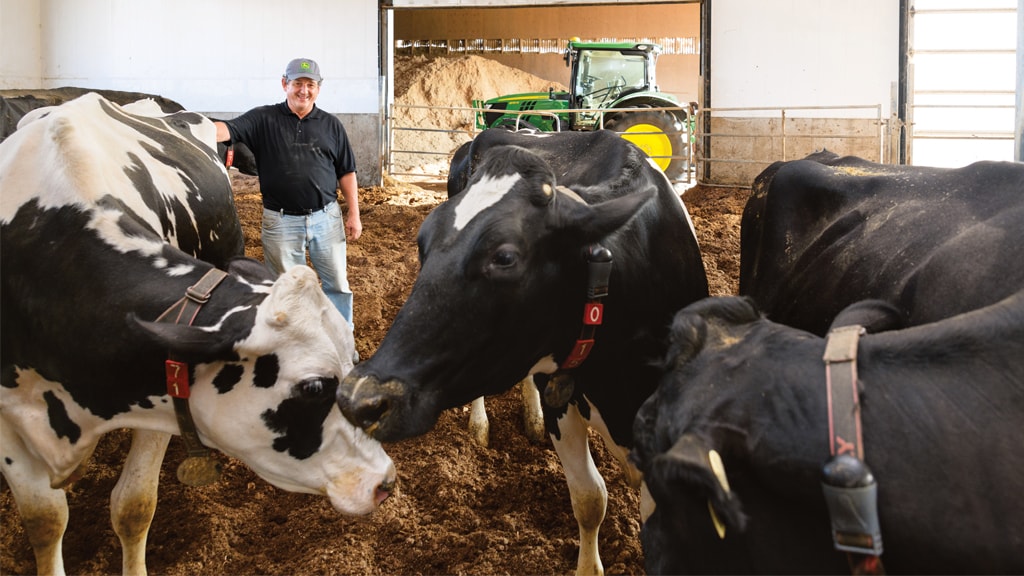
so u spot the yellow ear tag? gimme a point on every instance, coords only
(719, 469)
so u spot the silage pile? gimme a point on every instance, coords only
(436, 94)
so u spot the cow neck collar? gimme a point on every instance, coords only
(599, 268)
(850, 488)
(199, 468)
(844, 424)
(558, 389)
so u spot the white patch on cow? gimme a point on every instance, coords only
(483, 194)
(179, 270)
(144, 107)
(220, 323)
(621, 453)
(106, 224)
(545, 365)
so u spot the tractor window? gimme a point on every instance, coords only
(605, 75)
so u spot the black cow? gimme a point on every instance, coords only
(103, 213)
(820, 233)
(942, 406)
(502, 293)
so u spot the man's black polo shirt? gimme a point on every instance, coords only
(299, 160)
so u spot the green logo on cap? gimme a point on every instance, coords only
(304, 65)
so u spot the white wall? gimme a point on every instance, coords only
(804, 53)
(21, 57)
(209, 55)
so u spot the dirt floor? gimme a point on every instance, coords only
(460, 509)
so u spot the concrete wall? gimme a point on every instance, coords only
(219, 57)
(677, 74)
(820, 53)
(744, 146)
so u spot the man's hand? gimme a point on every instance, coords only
(353, 227)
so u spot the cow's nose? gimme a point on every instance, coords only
(384, 490)
(368, 412)
(362, 403)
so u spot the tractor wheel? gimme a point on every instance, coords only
(660, 135)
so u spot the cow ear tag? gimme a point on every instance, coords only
(719, 469)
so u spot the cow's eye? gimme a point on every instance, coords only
(505, 256)
(313, 387)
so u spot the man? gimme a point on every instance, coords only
(303, 157)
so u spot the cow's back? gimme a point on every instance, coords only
(819, 234)
(100, 158)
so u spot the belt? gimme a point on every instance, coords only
(304, 211)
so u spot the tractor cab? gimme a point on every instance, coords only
(604, 73)
(612, 86)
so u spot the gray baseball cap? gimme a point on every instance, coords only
(302, 68)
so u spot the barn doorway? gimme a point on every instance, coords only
(528, 38)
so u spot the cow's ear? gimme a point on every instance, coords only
(874, 315)
(250, 269)
(594, 222)
(188, 343)
(687, 469)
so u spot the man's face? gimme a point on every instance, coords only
(301, 93)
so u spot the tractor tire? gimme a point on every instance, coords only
(660, 134)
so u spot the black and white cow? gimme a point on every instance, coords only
(941, 407)
(820, 233)
(504, 291)
(20, 106)
(103, 214)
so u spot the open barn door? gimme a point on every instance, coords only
(495, 48)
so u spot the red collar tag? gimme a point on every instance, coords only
(177, 379)
(579, 353)
(230, 159)
(599, 268)
(593, 313)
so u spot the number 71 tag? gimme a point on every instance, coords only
(177, 379)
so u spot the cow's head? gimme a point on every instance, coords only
(271, 404)
(732, 443)
(499, 293)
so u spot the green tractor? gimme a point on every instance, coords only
(612, 86)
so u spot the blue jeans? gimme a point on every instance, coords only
(286, 239)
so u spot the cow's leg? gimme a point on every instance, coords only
(479, 427)
(43, 510)
(133, 500)
(586, 487)
(621, 454)
(533, 413)
(533, 416)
